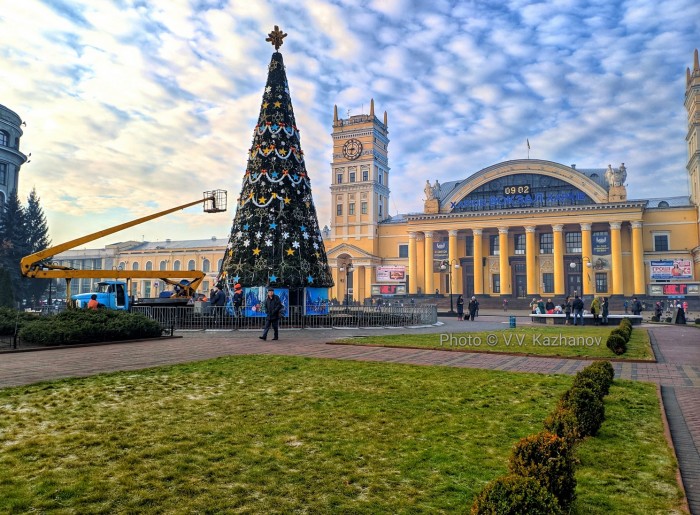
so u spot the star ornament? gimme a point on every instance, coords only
(290, 252)
(275, 37)
(256, 251)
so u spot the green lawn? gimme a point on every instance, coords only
(280, 434)
(586, 341)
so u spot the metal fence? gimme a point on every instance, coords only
(219, 317)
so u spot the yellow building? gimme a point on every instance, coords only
(516, 229)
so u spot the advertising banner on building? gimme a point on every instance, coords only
(601, 243)
(671, 269)
(391, 273)
(441, 253)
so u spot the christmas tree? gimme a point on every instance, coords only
(275, 239)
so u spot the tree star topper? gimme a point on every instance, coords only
(276, 37)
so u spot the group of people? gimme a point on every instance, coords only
(575, 307)
(680, 309)
(472, 308)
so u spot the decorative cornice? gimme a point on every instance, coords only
(585, 226)
(615, 226)
(477, 232)
(503, 230)
(636, 224)
(530, 228)
(558, 227)
(428, 234)
(453, 232)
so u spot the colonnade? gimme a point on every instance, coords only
(422, 275)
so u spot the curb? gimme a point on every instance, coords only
(78, 345)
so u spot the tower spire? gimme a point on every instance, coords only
(696, 64)
(371, 107)
(335, 114)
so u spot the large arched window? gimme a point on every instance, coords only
(218, 265)
(122, 265)
(4, 138)
(191, 265)
(176, 265)
(149, 265)
(205, 265)
(163, 265)
(134, 266)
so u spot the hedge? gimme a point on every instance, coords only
(515, 495)
(586, 406)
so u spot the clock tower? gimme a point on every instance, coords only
(692, 105)
(360, 179)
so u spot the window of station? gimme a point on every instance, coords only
(365, 175)
(548, 282)
(519, 241)
(134, 266)
(339, 178)
(573, 242)
(381, 178)
(163, 265)
(403, 251)
(190, 264)
(496, 283)
(469, 246)
(351, 208)
(546, 243)
(3, 174)
(601, 283)
(494, 245)
(339, 210)
(206, 265)
(352, 176)
(363, 208)
(176, 265)
(661, 243)
(4, 138)
(149, 265)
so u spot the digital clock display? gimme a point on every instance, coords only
(675, 289)
(523, 189)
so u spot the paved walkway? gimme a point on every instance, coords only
(677, 370)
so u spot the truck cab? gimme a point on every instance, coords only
(111, 294)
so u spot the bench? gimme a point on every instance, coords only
(560, 319)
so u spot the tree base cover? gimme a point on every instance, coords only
(78, 326)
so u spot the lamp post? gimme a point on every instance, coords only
(347, 268)
(447, 265)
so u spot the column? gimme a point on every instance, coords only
(530, 252)
(503, 265)
(478, 262)
(412, 264)
(638, 259)
(358, 292)
(429, 284)
(558, 230)
(369, 271)
(335, 291)
(616, 250)
(586, 259)
(455, 287)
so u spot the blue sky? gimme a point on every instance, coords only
(133, 106)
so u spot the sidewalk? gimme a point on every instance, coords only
(677, 370)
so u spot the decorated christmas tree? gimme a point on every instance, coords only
(275, 239)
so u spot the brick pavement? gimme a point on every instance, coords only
(678, 370)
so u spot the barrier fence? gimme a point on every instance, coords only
(220, 317)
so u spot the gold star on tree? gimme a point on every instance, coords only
(276, 37)
(278, 104)
(290, 252)
(265, 104)
(262, 200)
(256, 251)
(287, 200)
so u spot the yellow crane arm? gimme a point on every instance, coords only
(30, 266)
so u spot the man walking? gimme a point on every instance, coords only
(273, 308)
(578, 310)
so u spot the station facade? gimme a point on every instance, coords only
(518, 229)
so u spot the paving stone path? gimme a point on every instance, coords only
(677, 371)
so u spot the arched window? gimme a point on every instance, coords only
(205, 265)
(594, 176)
(191, 265)
(163, 265)
(176, 265)
(149, 265)
(134, 266)
(663, 203)
(218, 265)
(122, 265)
(4, 138)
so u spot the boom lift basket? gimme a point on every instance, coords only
(215, 201)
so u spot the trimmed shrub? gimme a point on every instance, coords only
(621, 333)
(515, 494)
(617, 344)
(11, 319)
(83, 326)
(592, 383)
(597, 377)
(603, 366)
(549, 459)
(564, 424)
(587, 407)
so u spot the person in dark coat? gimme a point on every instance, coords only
(460, 308)
(273, 308)
(218, 298)
(473, 308)
(605, 310)
(567, 310)
(577, 306)
(237, 299)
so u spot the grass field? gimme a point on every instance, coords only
(586, 341)
(280, 434)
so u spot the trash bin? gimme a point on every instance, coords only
(512, 322)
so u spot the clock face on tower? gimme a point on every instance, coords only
(352, 149)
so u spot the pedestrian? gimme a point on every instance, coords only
(473, 308)
(460, 308)
(92, 303)
(549, 307)
(685, 306)
(680, 315)
(577, 305)
(567, 311)
(658, 311)
(505, 304)
(540, 307)
(626, 306)
(533, 305)
(237, 299)
(636, 306)
(604, 310)
(595, 310)
(273, 309)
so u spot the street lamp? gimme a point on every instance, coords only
(447, 265)
(347, 268)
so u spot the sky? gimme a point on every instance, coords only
(135, 106)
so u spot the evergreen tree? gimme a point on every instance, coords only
(37, 232)
(275, 239)
(13, 242)
(7, 299)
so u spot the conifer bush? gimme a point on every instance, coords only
(563, 423)
(515, 495)
(549, 459)
(586, 406)
(617, 344)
